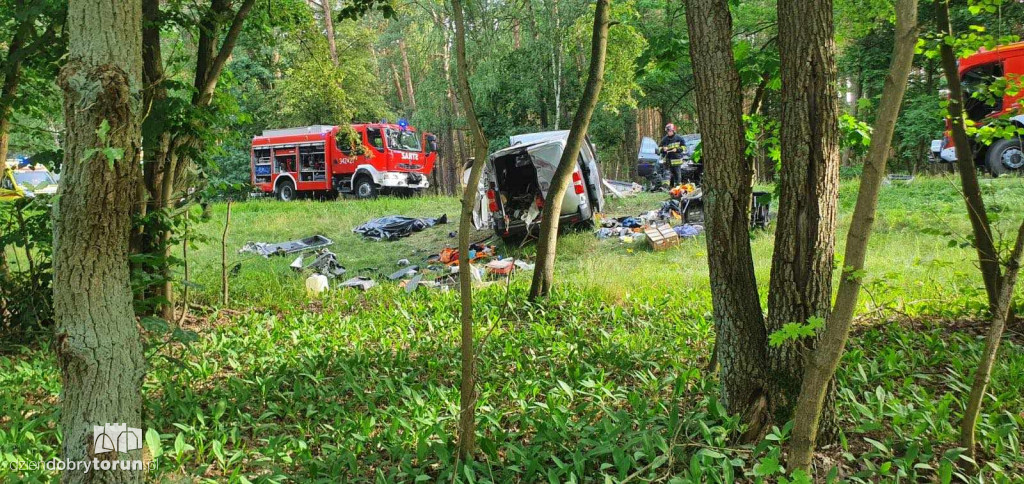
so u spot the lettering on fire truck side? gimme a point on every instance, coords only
(410, 156)
(346, 161)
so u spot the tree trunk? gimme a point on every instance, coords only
(467, 401)
(992, 340)
(332, 45)
(739, 322)
(988, 258)
(165, 166)
(544, 272)
(801, 275)
(398, 86)
(7, 94)
(16, 52)
(97, 339)
(224, 256)
(825, 359)
(408, 75)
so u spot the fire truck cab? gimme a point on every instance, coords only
(977, 72)
(312, 159)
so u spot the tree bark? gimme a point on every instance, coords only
(825, 359)
(97, 339)
(802, 263)
(467, 400)
(398, 86)
(739, 323)
(224, 256)
(995, 333)
(408, 75)
(988, 258)
(544, 272)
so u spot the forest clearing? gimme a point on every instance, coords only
(564, 241)
(608, 379)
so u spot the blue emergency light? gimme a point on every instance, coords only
(403, 123)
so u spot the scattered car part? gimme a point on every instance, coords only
(362, 283)
(290, 247)
(403, 272)
(326, 263)
(413, 283)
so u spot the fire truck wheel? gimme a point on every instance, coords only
(1005, 156)
(364, 187)
(286, 191)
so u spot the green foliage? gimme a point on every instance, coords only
(26, 269)
(603, 381)
(762, 135)
(316, 92)
(854, 134)
(625, 44)
(576, 389)
(110, 153)
(795, 331)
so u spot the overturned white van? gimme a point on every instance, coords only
(516, 182)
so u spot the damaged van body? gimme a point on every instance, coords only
(517, 179)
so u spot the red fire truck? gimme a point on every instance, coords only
(311, 159)
(976, 73)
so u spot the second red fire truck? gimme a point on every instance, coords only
(315, 159)
(977, 73)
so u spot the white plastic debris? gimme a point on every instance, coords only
(316, 284)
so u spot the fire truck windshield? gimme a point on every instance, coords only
(403, 140)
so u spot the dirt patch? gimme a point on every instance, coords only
(975, 327)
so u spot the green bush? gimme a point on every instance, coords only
(26, 239)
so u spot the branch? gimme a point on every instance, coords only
(206, 94)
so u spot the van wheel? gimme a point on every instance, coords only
(1005, 156)
(286, 191)
(365, 188)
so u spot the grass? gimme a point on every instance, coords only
(604, 382)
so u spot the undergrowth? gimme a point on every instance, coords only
(362, 388)
(605, 382)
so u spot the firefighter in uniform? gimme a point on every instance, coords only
(673, 146)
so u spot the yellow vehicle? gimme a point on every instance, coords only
(26, 182)
(9, 190)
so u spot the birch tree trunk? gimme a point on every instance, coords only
(825, 359)
(467, 399)
(739, 323)
(544, 272)
(802, 263)
(97, 339)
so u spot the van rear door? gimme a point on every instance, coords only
(593, 176)
(545, 160)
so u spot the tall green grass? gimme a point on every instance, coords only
(604, 382)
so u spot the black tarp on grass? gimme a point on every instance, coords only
(396, 226)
